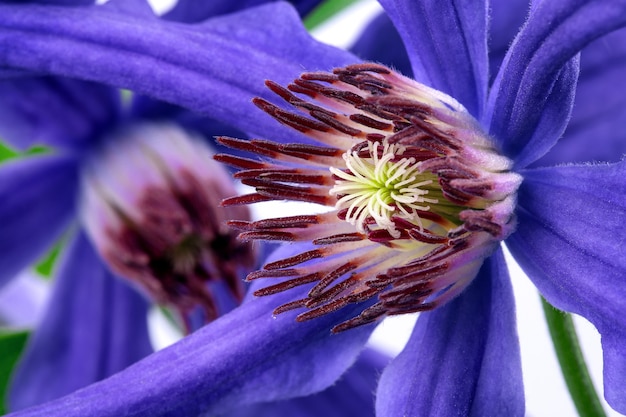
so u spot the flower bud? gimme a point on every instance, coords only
(150, 202)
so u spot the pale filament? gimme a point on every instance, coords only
(378, 187)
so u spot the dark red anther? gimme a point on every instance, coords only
(301, 221)
(296, 121)
(335, 124)
(243, 145)
(364, 67)
(339, 238)
(286, 285)
(295, 260)
(332, 276)
(268, 235)
(280, 273)
(370, 122)
(244, 199)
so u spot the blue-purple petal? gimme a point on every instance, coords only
(570, 242)
(37, 195)
(213, 69)
(198, 10)
(244, 357)
(380, 42)
(463, 358)
(595, 131)
(64, 2)
(145, 108)
(351, 396)
(53, 111)
(95, 325)
(531, 99)
(447, 44)
(506, 17)
(136, 7)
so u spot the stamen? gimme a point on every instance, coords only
(419, 195)
(381, 186)
(164, 229)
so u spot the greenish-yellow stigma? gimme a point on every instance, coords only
(378, 184)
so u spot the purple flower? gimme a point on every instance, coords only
(146, 195)
(420, 195)
(462, 358)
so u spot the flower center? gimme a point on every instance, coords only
(378, 184)
(150, 204)
(420, 194)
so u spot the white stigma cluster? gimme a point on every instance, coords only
(381, 186)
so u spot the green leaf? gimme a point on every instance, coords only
(6, 152)
(38, 150)
(325, 11)
(45, 265)
(11, 345)
(572, 362)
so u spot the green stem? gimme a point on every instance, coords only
(572, 362)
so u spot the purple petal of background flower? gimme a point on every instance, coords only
(53, 111)
(64, 2)
(380, 42)
(246, 356)
(91, 315)
(146, 109)
(37, 195)
(570, 242)
(22, 300)
(463, 358)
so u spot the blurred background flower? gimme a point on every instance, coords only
(123, 187)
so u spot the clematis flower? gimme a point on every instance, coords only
(561, 222)
(406, 161)
(148, 199)
(420, 194)
(125, 182)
